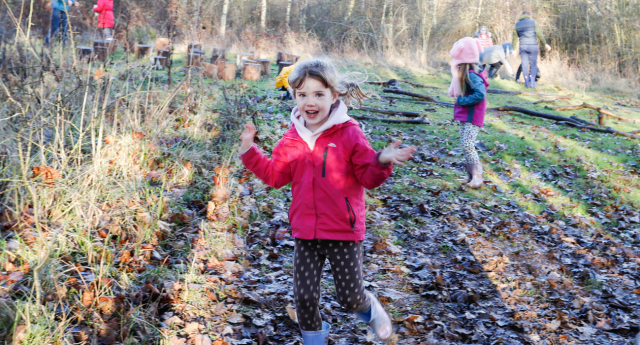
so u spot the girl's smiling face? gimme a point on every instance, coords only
(483, 31)
(314, 102)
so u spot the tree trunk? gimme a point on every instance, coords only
(302, 14)
(288, 17)
(228, 72)
(263, 15)
(223, 20)
(251, 71)
(352, 3)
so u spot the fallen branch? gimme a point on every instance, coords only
(598, 109)
(547, 100)
(419, 121)
(389, 112)
(635, 132)
(386, 83)
(412, 94)
(500, 91)
(577, 119)
(405, 100)
(563, 120)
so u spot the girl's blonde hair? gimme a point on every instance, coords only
(463, 75)
(325, 72)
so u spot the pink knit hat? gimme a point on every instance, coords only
(466, 50)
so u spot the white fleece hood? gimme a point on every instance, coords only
(337, 115)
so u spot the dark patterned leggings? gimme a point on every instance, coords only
(345, 258)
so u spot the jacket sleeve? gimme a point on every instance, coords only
(475, 97)
(99, 7)
(275, 172)
(540, 35)
(368, 170)
(514, 40)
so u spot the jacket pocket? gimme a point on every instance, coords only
(324, 160)
(352, 214)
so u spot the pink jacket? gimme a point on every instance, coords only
(328, 182)
(105, 10)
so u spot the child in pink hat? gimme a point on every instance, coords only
(469, 88)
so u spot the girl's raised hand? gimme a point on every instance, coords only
(247, 137)
(392, 154)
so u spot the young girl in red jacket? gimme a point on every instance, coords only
(329, 163)
(104, 8)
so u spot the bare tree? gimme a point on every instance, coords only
(223, 20)
(350, 9)
(263, 15)
(288, 18)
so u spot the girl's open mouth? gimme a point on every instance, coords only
(311, 113)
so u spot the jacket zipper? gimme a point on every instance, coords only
(324, 160)
(352, 221)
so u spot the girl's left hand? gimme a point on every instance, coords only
(392, 154)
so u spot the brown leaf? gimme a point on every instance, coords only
(19, 334)
(175, 340)
(220, 180)
(292, 313)
(98, 75)
(87, 298)
(107, 305)
(109, 139)
(137, 136)
(604, 324)
(221, 194)
(211, 208)
(154, 175)
(221, 170)
(179, 218)
(191, 327)
(202, 339)
(48, 174)
(212, 296)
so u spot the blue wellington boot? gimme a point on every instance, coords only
(316, 337)
(532, 82)
(526, 82)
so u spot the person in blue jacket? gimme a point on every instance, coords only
(527, 32)
(59, 19)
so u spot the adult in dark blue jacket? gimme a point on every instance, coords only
(59, 9)
(528, 32)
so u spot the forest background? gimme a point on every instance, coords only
(602, 37)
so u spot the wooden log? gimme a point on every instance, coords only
(192, 46)
(113, 45)
(142, 50)
(244, 62)
(412, 121)
(286, 57)
(635, 132)
(163, 43)
(221, 67)
(500, 91)
(266, 66)
(210, 70)
(229, 71)
(252, 71)
(159, 62)
(130, 46)
(563, 120)
(218, 54)
(101, 53)
(577, 119)
(283, 64)
(598, 109)
(255, 54)
(194, 60)
(389, 112)
(167, 55)
(100, 43)
(241, 56)
(547, 100)
(85, 53)
(412, 94)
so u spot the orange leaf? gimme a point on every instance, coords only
(98, 75)
(221, 170)
(109, 140)
(637, 292)
(137, 135)
(47, 173)
(87, 298)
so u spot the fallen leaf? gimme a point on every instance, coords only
(48, 174)
(191, 327)
(292, 313)
(87, 298)
(137, 136)
(98, 75)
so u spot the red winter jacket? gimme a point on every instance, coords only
(328, 182)
(105, 18)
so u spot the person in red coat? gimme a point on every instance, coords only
(104, 8)
(329, 163)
